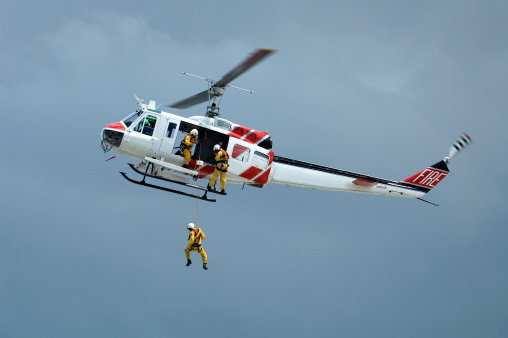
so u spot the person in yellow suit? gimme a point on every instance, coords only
(195, 237)
(221, 158)
(186, 146)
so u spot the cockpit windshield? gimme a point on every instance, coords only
(131, 118)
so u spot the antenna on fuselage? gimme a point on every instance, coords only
(140, 102)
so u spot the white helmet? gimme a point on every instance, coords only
(216, 147)
(190, 226)
(194, 132)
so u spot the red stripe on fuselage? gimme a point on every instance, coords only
(263, 178)
(203, 172)
(255, 136)
(250, 173)
(206, 170)
(239, 131)
(271, 154)
(364, 182)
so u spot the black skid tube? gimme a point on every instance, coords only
(133, 167)
(204, 197)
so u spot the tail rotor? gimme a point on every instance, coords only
(429, 177)
(463, 141)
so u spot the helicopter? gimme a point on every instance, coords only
(152, 137)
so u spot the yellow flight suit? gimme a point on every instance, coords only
(221, 169)
(186, 147)
(194, 244)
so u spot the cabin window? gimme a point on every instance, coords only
(146, 125)
(133, 117)
(170, 133)
(262, 156)
(241, 153)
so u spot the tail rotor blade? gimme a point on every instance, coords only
(463, 141)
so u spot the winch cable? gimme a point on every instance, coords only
(197, 194)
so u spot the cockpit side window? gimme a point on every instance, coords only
(131, 118)
(146, 125)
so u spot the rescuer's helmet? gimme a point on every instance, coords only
(194, 132)
(190, 226)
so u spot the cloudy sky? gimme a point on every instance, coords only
(378, 87)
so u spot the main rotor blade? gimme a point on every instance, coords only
(257, 56)
(254, 58)
(191, 101)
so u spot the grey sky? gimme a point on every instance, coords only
(381, 88)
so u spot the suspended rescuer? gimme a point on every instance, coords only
(186, 146)
(221, 158)
(195, 238)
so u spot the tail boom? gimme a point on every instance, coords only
(293, 172)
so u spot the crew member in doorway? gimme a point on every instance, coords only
(195, 237)
(221, 158)
(186, 146)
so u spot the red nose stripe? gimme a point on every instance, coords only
(116, 125)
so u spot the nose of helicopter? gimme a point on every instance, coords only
(112, 135)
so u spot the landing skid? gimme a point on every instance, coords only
(146, 174)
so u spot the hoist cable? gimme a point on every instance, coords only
(197, 194)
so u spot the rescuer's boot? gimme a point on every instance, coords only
(204, 266)
(189, 262)
(223, 192)
(185, 166)
(210, 188)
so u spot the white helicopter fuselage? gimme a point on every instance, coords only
(153, 137)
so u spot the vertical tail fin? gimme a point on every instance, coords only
(429, 177)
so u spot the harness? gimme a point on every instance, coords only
(196, 238)
(225, 160)
(184, 146)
